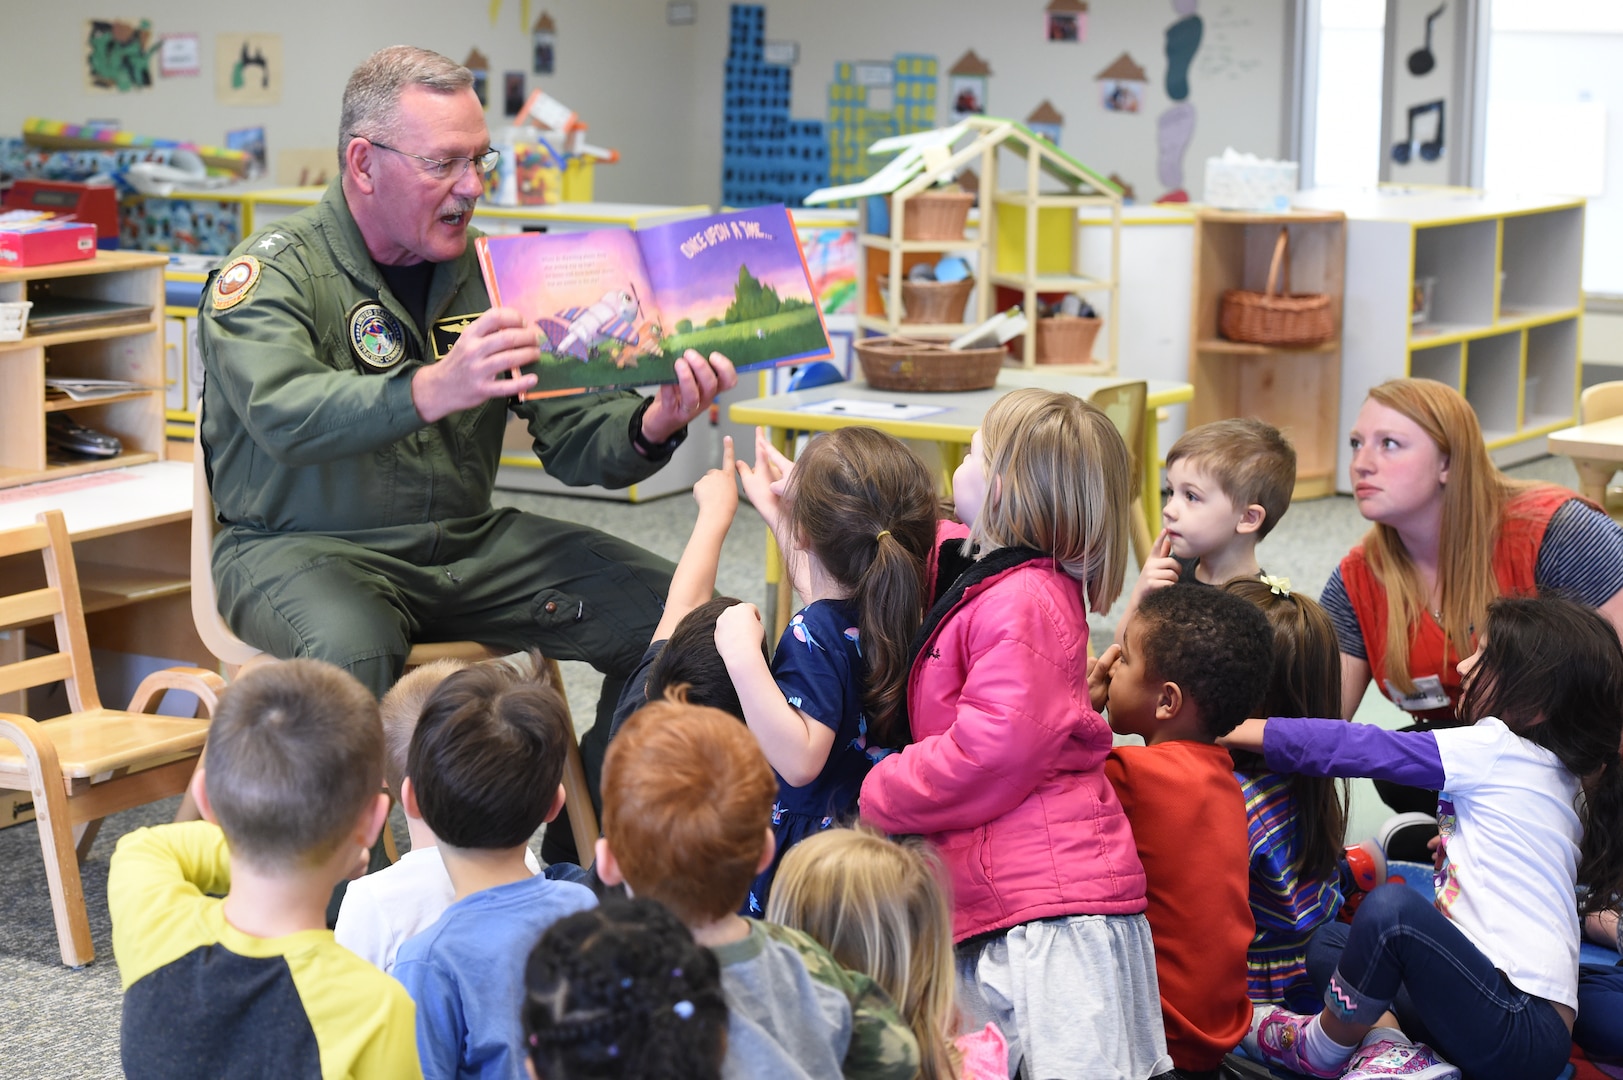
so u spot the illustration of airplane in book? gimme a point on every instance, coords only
(577, 331)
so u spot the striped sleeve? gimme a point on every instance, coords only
(1582, 555)
(1338, 606)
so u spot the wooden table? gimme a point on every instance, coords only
(950, 428)
(1597, 451)
(130, 530)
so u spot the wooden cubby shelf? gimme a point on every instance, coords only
(1294, 388)
(131, 351)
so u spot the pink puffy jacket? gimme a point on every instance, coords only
(1005, 775)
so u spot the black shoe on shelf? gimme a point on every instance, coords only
(64, 433)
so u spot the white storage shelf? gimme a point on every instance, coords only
(1505, 303)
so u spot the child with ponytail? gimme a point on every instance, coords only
(1296, 823)
(856, 519)
(1531, 808)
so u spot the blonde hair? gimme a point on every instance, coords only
(880, 907)
(1473, 508)
(401, 708)
(1057, 480)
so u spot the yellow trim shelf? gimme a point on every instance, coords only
(1053, 283)
(872, 240)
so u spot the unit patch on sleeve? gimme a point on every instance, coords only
(234, 282)
(375, 336)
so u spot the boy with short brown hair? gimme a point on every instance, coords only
(290, 792)
(388, 906)
(1228, 484)
(687, 821)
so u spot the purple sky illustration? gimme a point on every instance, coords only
(701, 288)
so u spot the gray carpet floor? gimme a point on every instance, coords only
(57, 1022)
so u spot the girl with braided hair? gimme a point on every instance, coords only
(621, 990)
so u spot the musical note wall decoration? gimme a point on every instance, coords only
(1423, 60)
(1410, 146)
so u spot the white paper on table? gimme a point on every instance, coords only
(870, 410)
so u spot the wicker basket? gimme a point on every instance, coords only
(902, 363)
(1276, 317)
(936, 215)
(1066, 339)
(931, 301)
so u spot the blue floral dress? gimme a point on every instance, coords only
(820, 669)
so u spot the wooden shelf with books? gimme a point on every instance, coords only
(131, 350)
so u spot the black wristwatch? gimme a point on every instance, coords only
(653, 451)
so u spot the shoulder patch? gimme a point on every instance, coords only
(234, 282)
(271, 243)
(375, 336)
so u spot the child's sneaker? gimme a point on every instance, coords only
(1385, 1059)
(1404, 837)
(1363, 868)
(1276, 1039)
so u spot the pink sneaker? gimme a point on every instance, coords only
(1275, 1038)
(1384, 1059)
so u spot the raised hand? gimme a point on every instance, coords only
(717, 490)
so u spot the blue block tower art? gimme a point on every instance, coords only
(766, 156)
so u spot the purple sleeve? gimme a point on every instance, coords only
(1339, 748)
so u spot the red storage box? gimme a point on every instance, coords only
(47, 242)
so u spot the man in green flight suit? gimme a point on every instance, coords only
(353, 476)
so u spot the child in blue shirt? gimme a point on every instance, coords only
(483, 773)
(856, 518)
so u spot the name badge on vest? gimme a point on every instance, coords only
(1428, 694)
(375, 337)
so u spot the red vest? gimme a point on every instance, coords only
(1515, 555)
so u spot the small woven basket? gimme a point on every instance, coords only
(937, 215)
(14, 319)
(1066, 339)
(931, 301)
(1277, 317)
(903, 363)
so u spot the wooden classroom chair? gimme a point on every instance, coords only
(93, 761)
(1602, 402)
(235, 654)
(1124, 404)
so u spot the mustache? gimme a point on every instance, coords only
(459, 205)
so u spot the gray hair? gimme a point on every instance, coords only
(372, 95)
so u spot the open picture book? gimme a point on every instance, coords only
(616, 307)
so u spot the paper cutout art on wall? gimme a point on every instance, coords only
(542, 39)
(1414, 147)
(1422, 60)
(480, 66)
(1046, 121)
(1122, 85)
(967, 85)
(248, 69)
(766, 156)
(871, 100)
(118, 54)
(180, 55)
(1175, 128)
(1067, 21)
(1182, 40)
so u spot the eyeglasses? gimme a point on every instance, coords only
(445, 168)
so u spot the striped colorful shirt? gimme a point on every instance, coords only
(1287, 906)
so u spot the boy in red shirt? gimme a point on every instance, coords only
(1192, 663)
